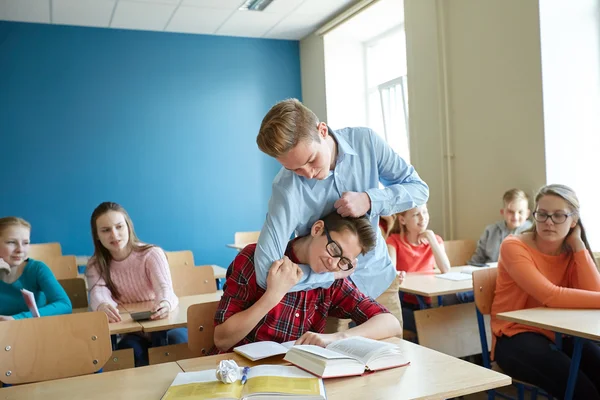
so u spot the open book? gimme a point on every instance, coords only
(465, 273)
(259, 350)
(346, 357)
(264, 382)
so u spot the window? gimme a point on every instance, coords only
(387, 96)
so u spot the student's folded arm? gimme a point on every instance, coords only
(584, 273)
(404, 189)
(439, 254)
(479, 256)
(99, 292)
(239, 311)
(157, 268)
(521, 267)
(280, 224)
(57, 301)
(373, 320)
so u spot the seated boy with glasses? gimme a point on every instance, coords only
(247, 313)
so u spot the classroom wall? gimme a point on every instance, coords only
(475, 84)
(571, 81)
(163, 123)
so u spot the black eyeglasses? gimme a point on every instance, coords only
(335, 250)
(557, 217)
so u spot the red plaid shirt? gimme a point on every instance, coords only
(297, 312)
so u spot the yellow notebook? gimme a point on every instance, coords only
(264, 382)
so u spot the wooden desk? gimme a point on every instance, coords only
(178, 317)
(135, 383)
(428, 285)
(431, 375)
(238, 247)
(127, 325)
(581, 324)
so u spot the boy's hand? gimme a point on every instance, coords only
(283, 275)
(320, 339)
(353, 204)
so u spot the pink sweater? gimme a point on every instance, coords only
(142, 276)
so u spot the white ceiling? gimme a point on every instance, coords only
(282, 19)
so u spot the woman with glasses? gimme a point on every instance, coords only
(414, 248)
(551, 265)
(247, 313)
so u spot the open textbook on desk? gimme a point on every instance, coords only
(264, 382)
(346, 357)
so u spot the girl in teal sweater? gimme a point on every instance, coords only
(19, 272)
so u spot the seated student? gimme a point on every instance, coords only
(515, 216)
(124, 270)
(552, 266)
(19, 272)
(414, 248)
(247, 313)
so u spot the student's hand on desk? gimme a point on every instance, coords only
(353, 204)
(319, 339)
(6, 318)
(110, 311)
(283, 275)
(161, 310)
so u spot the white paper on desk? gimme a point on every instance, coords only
(30, 301)
(455, 276)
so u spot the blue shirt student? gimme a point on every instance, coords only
(50, 297)
(363, 161)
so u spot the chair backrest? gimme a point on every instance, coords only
(76, 290)
(63, 267)
(120, 359)
(169, 353)
(183, 258)
(188, 281)
(41, 349)
(459, 251)
(243, 238)
(44, 251)
(484, 288)
(201, 327)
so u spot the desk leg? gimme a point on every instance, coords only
(113, 342)
(558, 340)
(574, 370)
(421, 301)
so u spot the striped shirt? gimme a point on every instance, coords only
(297, 312)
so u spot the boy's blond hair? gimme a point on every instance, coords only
(514, 195)
(287, 123)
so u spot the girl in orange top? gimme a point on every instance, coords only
(414, 248)
(550, 265)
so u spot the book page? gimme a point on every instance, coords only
(281, 379)
(260, 350)
(30, 301)
(202, 385)
(288, 345)
(454, 276)
(321, 352)
(360, 348)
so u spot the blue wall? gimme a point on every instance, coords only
(164, 124)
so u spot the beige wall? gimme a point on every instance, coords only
(474, 74)
(312, 74)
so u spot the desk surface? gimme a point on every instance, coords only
(178, 317)
(219, 271)
(238, 247)
(135, 383)
(431, 375)
(127, 325)
(427, 284)
(581, 323)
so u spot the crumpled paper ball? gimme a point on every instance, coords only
(228, 371)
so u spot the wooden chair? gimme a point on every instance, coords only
(120, 359)
(41, 349)
(63, 267)
(44, 251)
(169, 353)
(201, 327)
(76, 290)
(188, 281)
(180, 258)
(484, 288)
(459, 251)
(244, 238)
